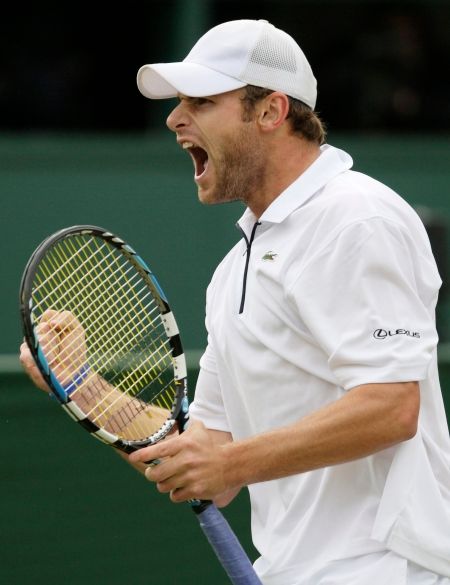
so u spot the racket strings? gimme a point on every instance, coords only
(67, 271)
(88, 309)
(133, 312)
(74, 295)
(124, 385)
(125, 336)
(82, 308)
(149, 359)
(81, 298)
(55, 274)
(62, 301)
(103, 333)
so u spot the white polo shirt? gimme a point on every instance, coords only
(340, 290)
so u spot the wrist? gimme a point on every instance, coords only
(77, 379)
(234, 469)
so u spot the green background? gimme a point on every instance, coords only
(71, 510)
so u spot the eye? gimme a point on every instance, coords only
(201, 101)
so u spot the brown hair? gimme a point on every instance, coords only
(303, 119)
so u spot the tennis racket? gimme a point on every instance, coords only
(102, 334)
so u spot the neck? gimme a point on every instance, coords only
(286, 161)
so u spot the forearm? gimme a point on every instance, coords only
(366, 420)
(116, 411)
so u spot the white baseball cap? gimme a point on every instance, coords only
(230, 56)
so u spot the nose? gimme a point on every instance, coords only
(177, 118)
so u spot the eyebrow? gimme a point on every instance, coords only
(191, 98)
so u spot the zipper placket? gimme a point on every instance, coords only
(248, 243)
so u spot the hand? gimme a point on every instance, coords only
(62, 339)
(30, 367)
(193, 465)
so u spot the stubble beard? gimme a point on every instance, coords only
(240, 171)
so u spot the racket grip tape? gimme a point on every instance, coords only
(225, 544)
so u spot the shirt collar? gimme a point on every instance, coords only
(330, 163)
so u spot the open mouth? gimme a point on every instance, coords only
(199, 157)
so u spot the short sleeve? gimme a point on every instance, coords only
(207, 405)
(368, 299)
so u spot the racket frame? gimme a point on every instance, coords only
(179, 409)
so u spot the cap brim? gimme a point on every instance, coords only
(167, 80)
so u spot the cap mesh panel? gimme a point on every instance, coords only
(274, 64)
(275, 55)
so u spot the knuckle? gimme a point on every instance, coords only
(149, 474)
(177, 496)
(198, 492)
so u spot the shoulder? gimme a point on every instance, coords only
(353, 211)
(360, 195)
(353, 198)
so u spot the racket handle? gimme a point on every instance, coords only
(225, 544)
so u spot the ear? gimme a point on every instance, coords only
(273, 111)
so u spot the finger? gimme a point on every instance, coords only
(48, 321)
(179, 495)
(172, 486)
(47, 334)
(48, 315)
(30, 367)
(65, 320)
(166, 471)
(164, 483)
(25, 353)
(25, 357)
(49, 340)
(58, 322)
(158, 451)
(144, 455)
(38, 380)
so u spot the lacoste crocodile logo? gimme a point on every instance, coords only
(269, 255)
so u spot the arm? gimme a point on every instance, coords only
(367, 419)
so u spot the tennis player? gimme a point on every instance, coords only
(318, 389)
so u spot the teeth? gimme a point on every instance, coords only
(186, 145)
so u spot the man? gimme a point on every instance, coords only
(318, 388)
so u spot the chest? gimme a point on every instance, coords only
(249, 301)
